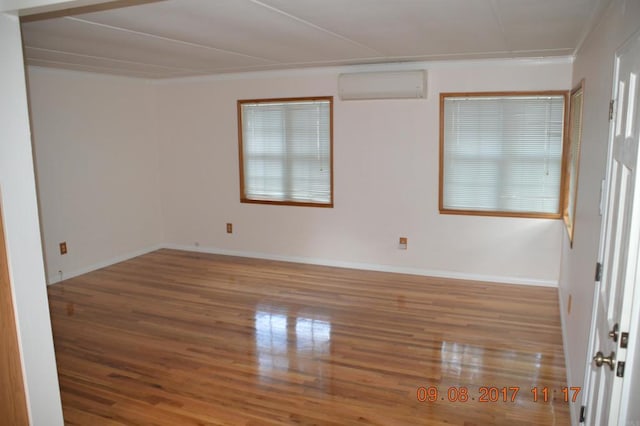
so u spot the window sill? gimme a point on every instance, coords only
(287, 203)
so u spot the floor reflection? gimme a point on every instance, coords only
(460, 360)
(271, 341)
(290, 341)
(470, 362)
(312, 335)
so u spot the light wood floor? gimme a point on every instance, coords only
(178, 338)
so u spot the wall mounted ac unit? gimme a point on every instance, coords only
(383, 85)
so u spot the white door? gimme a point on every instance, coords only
(629, 386)
(619, 249)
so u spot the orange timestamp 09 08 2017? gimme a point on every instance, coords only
(495, 394)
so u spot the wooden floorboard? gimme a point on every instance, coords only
(180, 338)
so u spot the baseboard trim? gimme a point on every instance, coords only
(368, 266)
(55, 278)
(573, 407)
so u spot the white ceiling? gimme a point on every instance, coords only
(174, 38)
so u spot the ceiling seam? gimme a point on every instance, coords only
(496, 14)
(310, 24)
(594, 22)
(171, 40)
(82, 55)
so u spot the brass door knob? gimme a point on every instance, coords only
(600, 359)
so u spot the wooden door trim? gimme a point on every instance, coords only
(13, 403)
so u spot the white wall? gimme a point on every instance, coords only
(386, 179)
(97, 168)
(594, 63)
(98, 161)
(24, 250)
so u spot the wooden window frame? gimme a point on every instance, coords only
(570, 216)
(243, 197)
(565, 131)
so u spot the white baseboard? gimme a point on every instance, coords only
(55, 278)
(369, 266)
(567, 366)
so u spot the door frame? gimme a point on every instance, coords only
(13, 399)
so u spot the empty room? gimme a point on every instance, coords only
(266, 212)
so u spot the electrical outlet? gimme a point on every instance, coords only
(63, 248)
(229, 228)
(402, 245)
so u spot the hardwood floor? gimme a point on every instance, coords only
(178, 338)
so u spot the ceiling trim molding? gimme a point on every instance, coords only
(87, 72)
(101, 58)
(373, 67)
(301, 72)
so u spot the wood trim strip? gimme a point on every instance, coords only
(502, 214)
(284, 100)
(441, 160)
(504, 94)
(240, 151)
(569, 221)
(13, 403)
(330, 98)
(80, 10)
(286, 203)
(565, 154)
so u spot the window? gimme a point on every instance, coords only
(286, 151)
(573, 159)
(501, 154)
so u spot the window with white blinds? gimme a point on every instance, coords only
(286, 151)
(501, 154)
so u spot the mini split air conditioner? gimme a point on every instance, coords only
(383, 85)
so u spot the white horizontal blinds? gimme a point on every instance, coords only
(287, 151)
(503, 154)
